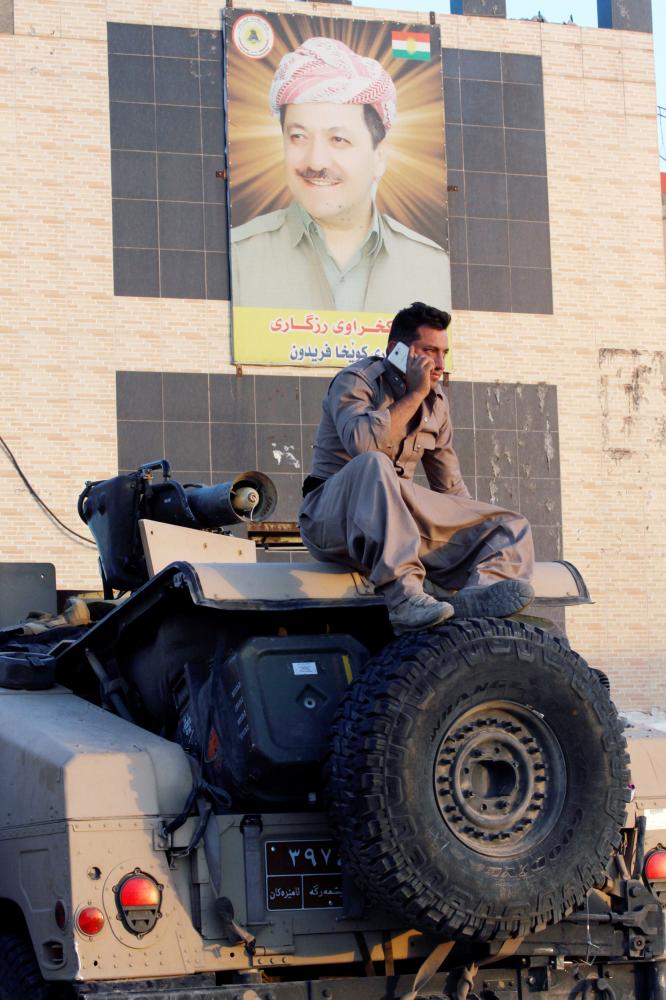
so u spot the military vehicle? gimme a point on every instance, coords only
(232, 781)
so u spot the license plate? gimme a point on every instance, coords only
(303, 875)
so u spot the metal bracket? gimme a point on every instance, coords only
(252, 828)
(162, 841)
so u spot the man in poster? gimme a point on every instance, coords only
(331, 248)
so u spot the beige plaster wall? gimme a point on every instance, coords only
(64, 334)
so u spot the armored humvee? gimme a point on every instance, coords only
(233, 782)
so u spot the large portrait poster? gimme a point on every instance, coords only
(337, 180)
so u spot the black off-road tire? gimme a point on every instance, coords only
(20, 978)
(478, 779)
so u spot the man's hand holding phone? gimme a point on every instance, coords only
(417, 376)
(415, 367)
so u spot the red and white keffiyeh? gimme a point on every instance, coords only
(326, 70)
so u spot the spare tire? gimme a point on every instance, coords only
(477, 780)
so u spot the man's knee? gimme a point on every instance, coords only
(371, 461)
(512, 525)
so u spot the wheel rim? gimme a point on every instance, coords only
(500, 778)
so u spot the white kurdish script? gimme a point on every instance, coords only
(307, 877)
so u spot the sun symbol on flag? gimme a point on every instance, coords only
(410, 45)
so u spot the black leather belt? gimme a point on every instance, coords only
(312, 483)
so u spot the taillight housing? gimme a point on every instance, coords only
(139, 901)
(654, 872)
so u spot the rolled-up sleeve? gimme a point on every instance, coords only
(441, 464)
(360, 425)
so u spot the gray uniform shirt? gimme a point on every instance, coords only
(355, 419)
(275, 265)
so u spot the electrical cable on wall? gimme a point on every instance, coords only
(38, 500)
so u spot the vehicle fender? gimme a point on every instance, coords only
(65, 759)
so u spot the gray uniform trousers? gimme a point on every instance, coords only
(396, 532)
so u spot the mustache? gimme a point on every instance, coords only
(317, 175)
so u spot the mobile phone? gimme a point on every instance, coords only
(398, 356)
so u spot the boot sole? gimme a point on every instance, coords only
(495, 601)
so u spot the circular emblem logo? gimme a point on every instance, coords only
(253, 36)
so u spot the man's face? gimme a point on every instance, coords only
(433, 344)
(330, 162)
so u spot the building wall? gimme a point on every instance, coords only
(663, 204)
(66, 336)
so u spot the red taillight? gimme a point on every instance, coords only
(138, 890)
(139, 897)
(60, 913)
(655, 866)
(90, 920)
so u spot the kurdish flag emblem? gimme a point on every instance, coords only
(410, 45)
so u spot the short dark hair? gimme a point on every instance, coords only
(372, 120)
(375, 124)
(407, 322)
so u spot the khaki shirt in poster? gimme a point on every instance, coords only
(275, 264)
(355, 419)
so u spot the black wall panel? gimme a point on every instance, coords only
(167, 162)
(499, 231)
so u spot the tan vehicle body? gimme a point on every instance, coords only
(89, 796)
(85, 796)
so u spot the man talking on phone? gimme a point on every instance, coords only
(431, 553)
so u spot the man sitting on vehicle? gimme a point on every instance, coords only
(362, 508)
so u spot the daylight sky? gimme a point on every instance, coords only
(584, 12)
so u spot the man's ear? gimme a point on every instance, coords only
(389, 347)
(381, 160)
